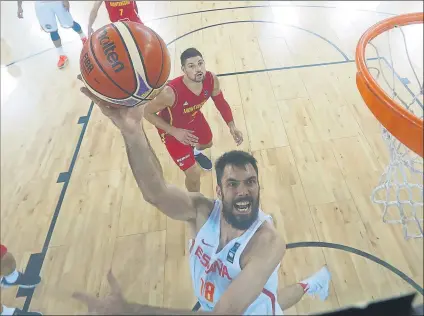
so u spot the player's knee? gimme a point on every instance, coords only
(193, 173)
(205, 146)
(8, 264)
(76, 27)
(192, 180)
(55, 36)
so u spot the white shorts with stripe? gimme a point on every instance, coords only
(47, 11)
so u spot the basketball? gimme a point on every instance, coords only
(124, 63)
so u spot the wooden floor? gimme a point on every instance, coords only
(319, 149)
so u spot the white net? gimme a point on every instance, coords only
(398, 69)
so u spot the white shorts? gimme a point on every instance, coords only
(47, 11)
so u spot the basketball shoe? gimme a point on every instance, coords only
(24, 281)
(318, 283)
(203, 161)
(63, 61)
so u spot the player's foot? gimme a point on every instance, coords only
(21, 312)
(24, 281)
(83, 40)
(203, 161)
(63, 61)
(319, 283)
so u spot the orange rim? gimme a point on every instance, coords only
(401, 123)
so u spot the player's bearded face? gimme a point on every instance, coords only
(195, 69)
(240, 196)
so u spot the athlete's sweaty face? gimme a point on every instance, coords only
(194, 68)
(239, 192)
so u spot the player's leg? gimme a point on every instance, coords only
(9, 277)
(203, 131)
(192, 180)
(47, 20)
(8, 262)
(183, 156)
(67, 21)
(316, 284)
(12, 277)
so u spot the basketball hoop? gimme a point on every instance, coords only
(401, 185)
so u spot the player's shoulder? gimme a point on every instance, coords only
(267, 234)
(265, 242)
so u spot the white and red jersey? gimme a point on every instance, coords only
(212, 272)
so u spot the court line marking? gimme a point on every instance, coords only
(267, 6)
(219, 9)
(264, 21)
(366, 255)
(36, 261)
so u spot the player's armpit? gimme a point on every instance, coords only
(264, 256)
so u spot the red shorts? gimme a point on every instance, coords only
(182, 154)
(3, 250)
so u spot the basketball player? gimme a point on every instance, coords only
(236, 252)
(9, 276)
(180, 122)
(47, 11)
(117, 10)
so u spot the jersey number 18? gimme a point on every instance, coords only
(207, 290)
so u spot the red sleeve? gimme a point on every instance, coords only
(3, 250)
(223, 107)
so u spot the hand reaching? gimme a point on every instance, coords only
(124, 118)
(237, 135)
(113, 304)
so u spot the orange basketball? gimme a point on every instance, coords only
(124, 62)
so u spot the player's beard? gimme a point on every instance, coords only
(240, 221)
(199, 77)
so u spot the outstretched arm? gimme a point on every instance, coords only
(148, 173)
(145, 166)
(93, 16)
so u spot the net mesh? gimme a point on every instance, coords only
(400, 189)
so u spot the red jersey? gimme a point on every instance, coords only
(122, 10)
(187, 105)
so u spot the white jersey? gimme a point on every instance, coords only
(213, 272)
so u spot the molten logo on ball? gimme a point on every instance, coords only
(108, 49)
